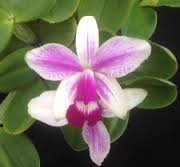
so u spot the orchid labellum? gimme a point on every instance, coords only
(88, 90)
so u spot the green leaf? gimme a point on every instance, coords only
(14, 70)
(62, 10)
(110, 14)
(171, 3)
(141, 22)
(149, 2)
(104, 36)
(116, 127)
(161, 64)
(62, 33)
(14, 60)
(16, 79)
(26, 10)
(6, 28)
(25, 34)
(161, 93)
(17, 151)
(73, 137)
(16, 118)
(52, 85)
(14, 44)
(4, 105)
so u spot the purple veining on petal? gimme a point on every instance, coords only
(106, 92)
(111, 95)
(53, 61)
(87, 40)
(121, 55)
(116, 58)
(86, 89)
(98, 140)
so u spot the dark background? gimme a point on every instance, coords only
(152, 137)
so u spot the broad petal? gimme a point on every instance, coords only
(134, 96)
(98, 140)
(111, 95)
(41, 108)
(87, 40)
(53, 61)
(65, 95)
(121, 55)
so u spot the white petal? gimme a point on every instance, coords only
(134, 96)
(65, 95)
(87, 40)
(41, 108)
(111, 95)
(106, 112)
(98, 140)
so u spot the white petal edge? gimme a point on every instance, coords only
(111, 95)
(98, 140)
(41, 108)
(134, 96)
(87, 40)
(65, 95)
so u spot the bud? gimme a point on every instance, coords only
(25, 34)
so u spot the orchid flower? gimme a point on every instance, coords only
(88, 90)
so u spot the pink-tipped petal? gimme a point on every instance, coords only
(87, 40)
(98, 140)
(121, 55)
(134, 96)
(111, 95)
(41, 108)
(65, 95)
(53, 61)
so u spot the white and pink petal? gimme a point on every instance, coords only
(121, 55)
(65, 95)
(87, 40)
(41, 108)
(86, 89)
(53, 61)
(98, 140)
(111, 96)
(132, 96)
(85, 107)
